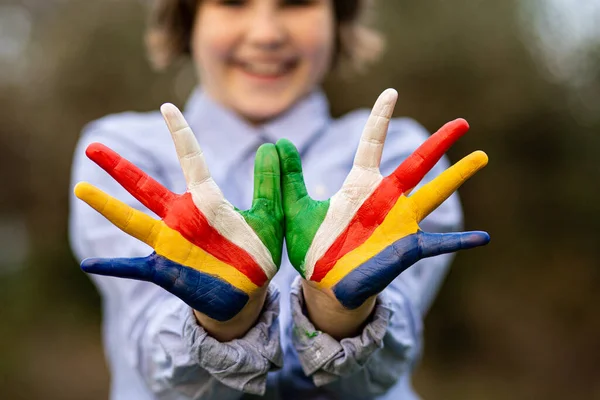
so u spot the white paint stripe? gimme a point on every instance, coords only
(207, 196)
(357, 188)
(361, 182)
(370, 147)
(188, 150)
(228, 222)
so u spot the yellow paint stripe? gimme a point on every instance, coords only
(166, 242)
(434, 193)
(128, 219)
(171, 245)
(399, 222)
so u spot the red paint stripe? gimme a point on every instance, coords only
(421, 161)
(186, 219)
(368, 217)
(144, 188)
(178, 212)
(374, 210)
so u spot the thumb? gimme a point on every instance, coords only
(292, 179)
(267, 179)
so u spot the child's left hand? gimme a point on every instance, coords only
(352, 246)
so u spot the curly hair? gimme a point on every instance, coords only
(169, 30)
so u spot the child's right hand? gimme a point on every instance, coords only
(217, 259)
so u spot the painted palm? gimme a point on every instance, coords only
(209, 254)
(357, 242)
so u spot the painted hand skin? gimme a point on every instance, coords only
(351, 247)
(212, 256)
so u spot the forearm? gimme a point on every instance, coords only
(149, 330)
(401, 344)
(167, 343)
(364, 365)
(238, 326)
(330, 317)
(176, 357)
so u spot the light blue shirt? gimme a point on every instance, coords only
(154, 346)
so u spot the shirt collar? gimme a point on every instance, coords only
(230, 137)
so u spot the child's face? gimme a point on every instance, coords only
(258, 57)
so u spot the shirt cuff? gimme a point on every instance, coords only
(241, 364)
(323, 357)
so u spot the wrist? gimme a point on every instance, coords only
(238, 326)
(328, 315)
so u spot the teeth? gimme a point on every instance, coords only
(265, 69)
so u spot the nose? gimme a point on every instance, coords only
(266, 29)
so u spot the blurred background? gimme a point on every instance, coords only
(515, 320)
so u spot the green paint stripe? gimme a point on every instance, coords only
(266, 215)
(268, 228)
(301, 231)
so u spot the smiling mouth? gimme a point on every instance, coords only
(267, 70)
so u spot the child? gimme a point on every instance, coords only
(260, 63)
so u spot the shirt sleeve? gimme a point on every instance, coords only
(387, 350)
(154, 331)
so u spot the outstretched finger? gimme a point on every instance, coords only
(140, 268)
(294, 188)
(188, 150)
(370, 147)
(434, 193)
(128, 219)
(203, 292)
(267, 177)
(374, 275)
(433, 244)
(421, 161)
(141, 186)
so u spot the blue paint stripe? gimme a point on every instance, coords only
(374, 275)
(205, 293)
